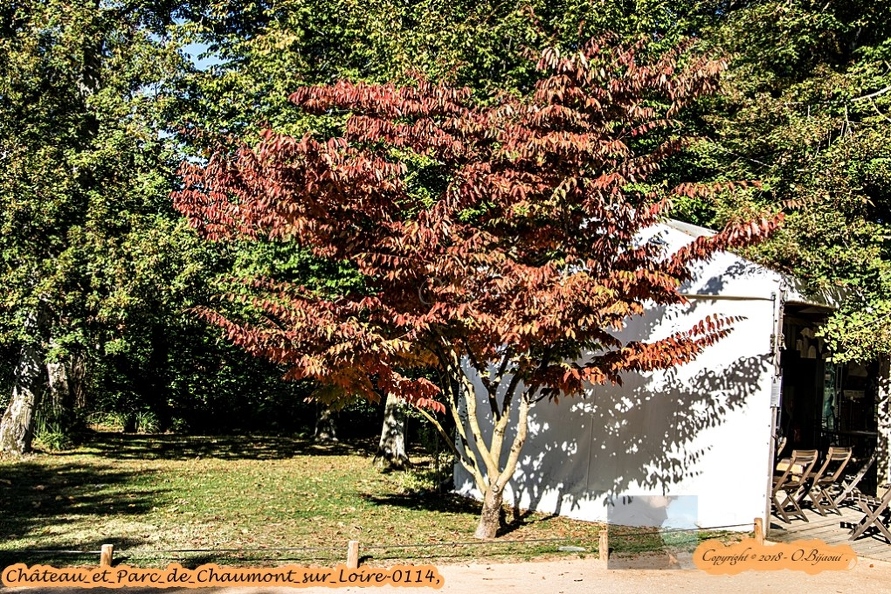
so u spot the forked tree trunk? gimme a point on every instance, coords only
(391, 447)
(480, 453)
(484, 458)
(17, 426)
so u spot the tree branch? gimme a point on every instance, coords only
(500, 428)
(475, 430)
(474, 468)
(876, 107)
(872, 95)
(467, 462)
(517, 446)
(493, 404)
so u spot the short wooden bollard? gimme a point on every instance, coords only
(105, 555)
(603, 547)
(759, 531)
(352, 554)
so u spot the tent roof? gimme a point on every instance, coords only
(794, 289)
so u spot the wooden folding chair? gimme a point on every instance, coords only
(826, 478)
(790, 479)
(849, 487)
(878, 515)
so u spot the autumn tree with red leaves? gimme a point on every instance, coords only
(513, 269)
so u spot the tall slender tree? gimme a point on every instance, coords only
(89, 242)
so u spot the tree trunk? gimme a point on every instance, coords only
(154, 386)
(491, 516)
(498, 473)
(391, 447)
(883, 463)
(77, 371)
(59, 400)
(17, 426)
(483, 458)
(326, 430)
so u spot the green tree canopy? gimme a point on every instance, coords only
(97, 267)
(805, 110)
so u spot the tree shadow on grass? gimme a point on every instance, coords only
(225, 447)
(512, 519)
(38, 499)
(520, 518)
(427, 501)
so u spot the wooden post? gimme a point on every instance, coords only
(352, 554)
(759, 531)
(105, 555)
(603, 547)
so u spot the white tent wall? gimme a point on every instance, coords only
(701, 429)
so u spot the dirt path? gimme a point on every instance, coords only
(587, 576)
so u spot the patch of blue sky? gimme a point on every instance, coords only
(201, 56)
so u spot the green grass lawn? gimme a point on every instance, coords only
(247, 500)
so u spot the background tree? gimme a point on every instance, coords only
(804, 108)
(97, 267)
(257, 62)
(82, 187)
(261, 52)
(521, 262)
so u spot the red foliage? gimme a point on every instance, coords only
(531, 250)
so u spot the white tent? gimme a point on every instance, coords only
(702, 430)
